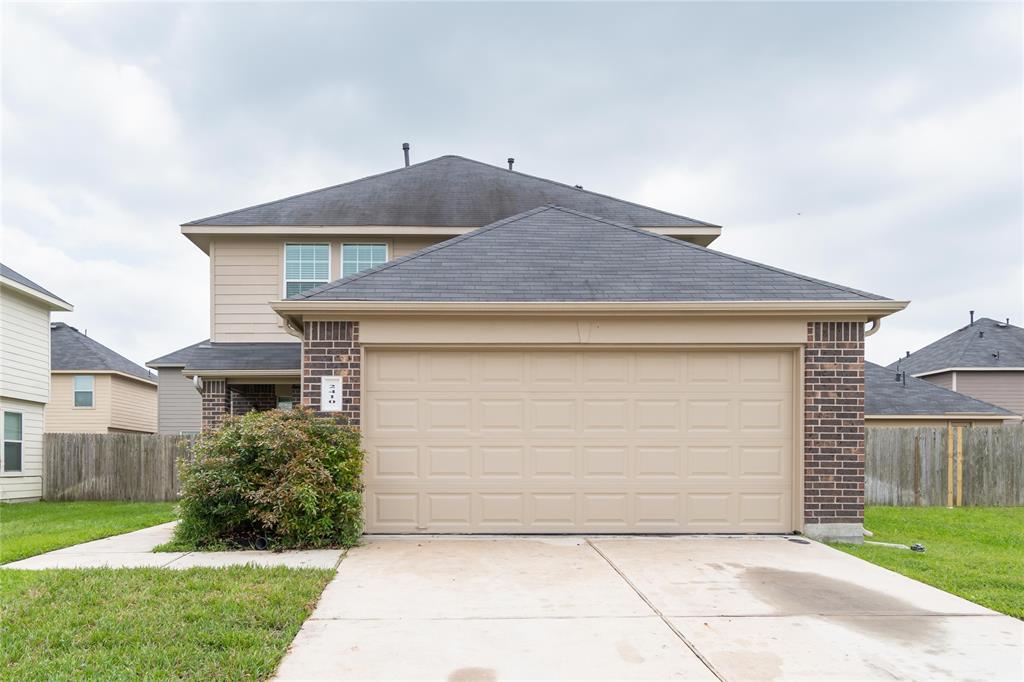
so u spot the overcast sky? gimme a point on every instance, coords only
(875, 145)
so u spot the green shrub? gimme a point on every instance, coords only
(291, 478)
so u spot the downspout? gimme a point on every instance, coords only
(876, 324)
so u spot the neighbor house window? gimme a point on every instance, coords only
(358, 257)
(83, 391)
(305, 266)
(12, 441)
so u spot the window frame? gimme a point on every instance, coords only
(75, 391)
(20, 471)
(284, 264)
(341, 255)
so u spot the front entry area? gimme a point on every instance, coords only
(580, 441)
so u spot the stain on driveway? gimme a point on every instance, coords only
(693, 608)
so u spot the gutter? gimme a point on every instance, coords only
(293, 310)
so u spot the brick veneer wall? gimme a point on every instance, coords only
(252, 397)
(834, 423)
(215, 402)
(332, 349)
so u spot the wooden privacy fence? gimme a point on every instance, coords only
(112, 466)
(922, 466)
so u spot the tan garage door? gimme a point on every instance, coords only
(578, 441)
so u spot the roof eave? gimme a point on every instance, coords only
(967, 369)
(114, 372)
(943, 415)
(864, 309)
(52, 303)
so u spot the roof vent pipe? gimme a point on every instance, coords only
(972, 318)
(405, 149)
(511, 160)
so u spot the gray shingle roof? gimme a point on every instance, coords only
(25, 281)
(449, 191)
(176, 358)
(986, 343)
(217, 356)
(884, 395)
(553, 253)
(73, 351)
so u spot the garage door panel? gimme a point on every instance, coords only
(448, 461)
(574, 441)
(553, 462)
(605, 462)
(502, 462)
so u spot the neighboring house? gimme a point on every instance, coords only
(25, 309)
(984, 360)
(179, 405)
(525, 356)
(892, 398)
(95, 390)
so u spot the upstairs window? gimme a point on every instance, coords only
(83, 391)
(358, 257)
(305, 266)
(12, 441)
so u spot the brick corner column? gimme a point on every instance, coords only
(834, 431)
(332, 349)
(215, 403)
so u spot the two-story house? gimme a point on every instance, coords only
(25, 309)
(983, 359)
(94, 389)
(527, 356)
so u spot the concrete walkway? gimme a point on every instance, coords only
(135, 550)
(516, 608)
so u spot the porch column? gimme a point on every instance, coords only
(215, 402)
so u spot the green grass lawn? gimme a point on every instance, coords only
(32, 528)
(144, 623)
(974, 552)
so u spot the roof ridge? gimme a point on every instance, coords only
(439, 158)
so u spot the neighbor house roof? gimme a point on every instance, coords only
(73, 351)
(211, 356)
(885, 393)
(986, 344)
(554, 253)
(24, 282)
(449, 191)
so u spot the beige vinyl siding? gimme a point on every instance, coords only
(180, 405)
(1005, 389)
(247, 273)
(24, 348)
(132, 405)
(63, 417)
(945, 380)
(28, 483)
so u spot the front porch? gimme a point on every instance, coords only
(224, 397)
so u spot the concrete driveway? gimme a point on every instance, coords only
(461, 609)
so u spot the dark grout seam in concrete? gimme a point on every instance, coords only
(664, 619)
